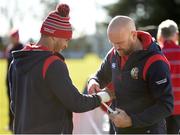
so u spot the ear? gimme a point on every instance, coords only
(53, 38)
(177, 37)
(134, 35)
(160, 39)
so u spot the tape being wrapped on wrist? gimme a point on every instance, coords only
(105, 97)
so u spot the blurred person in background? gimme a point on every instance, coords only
(14, 45)
(43, 96)
(141, 78)
(168, 37)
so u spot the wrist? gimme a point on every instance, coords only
(104, 96)
(92, 79)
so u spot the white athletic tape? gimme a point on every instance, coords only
(109, 108)
(105, 97)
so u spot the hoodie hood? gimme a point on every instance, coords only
(149, 47)
(24, 60)
(147, 41)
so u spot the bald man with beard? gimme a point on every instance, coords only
(141, 79)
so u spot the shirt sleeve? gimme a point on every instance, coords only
(59, 81)
(159, 84)
(104, 74)
(12, 88)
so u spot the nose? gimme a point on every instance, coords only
(66, 45)
(116, 46)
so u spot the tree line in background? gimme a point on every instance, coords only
(148, 14)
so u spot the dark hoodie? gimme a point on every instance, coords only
(142, 86)
(44, 104)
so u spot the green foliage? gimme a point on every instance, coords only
(147, 12)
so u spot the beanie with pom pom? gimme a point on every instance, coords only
(57, 23)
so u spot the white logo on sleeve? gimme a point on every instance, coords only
(161, 81)
(113, 65)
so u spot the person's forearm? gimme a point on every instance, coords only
(100, 79)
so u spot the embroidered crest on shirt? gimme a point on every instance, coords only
(134, 73)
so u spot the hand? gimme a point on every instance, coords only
(93, 87)
(120, 119)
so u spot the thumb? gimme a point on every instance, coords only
(119, 110)
(97, 88)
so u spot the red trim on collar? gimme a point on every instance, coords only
(145, 38)
(48, 62)
(123, 61)
(33, 47)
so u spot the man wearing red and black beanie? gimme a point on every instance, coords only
(43, 96)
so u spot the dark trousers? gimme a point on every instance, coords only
(173, 124)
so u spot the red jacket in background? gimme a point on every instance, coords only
(172, 53)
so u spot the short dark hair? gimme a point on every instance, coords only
(167, 29)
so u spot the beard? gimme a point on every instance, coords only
(130, 50)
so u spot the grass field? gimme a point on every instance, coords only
(79, 69)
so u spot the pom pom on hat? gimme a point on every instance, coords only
(63, 10)
(57, 23)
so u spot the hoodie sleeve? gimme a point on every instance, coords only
(104, 74)
(159, 83)
(12, 88)
(57, 77)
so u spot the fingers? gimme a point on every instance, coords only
(93, 87)
(120, 119)
(119, 110)
(112, 116)
(115, 118)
